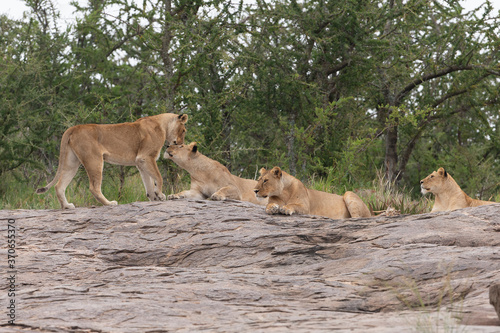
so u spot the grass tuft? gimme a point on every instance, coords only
(386, 195)
(383, 196)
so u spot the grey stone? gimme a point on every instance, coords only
(495, 298)
(184, 266)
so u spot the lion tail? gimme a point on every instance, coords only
(62, 154)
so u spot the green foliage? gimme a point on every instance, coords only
(330, 91)
(119, 183)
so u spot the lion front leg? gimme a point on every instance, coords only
(175, 196)
(291, 209)
(190, 194)
(287, 210)
(272, 208)
(151, 177)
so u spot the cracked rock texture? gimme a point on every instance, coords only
(184, 266)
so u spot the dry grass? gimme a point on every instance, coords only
(386, 196)
(382, 197)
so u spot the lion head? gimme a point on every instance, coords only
(434, 182)
(181, 153)
(177, 131)
(269, 183)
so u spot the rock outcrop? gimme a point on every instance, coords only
(495, 298)
(228, 267)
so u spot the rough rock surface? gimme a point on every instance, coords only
(495, 298)
(228, 267)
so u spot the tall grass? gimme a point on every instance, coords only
(385, 196)
(382, 196)
(19, 193)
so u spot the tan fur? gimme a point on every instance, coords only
(288, 195)
(449, 196)
(138, 143)
(209, 178)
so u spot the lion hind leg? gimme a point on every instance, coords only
(67, 171)
(226, 192)
(64, 154)
(355, 205)
(94, 172)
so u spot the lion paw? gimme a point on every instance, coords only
(174, 197)
(286, 210)
(217, 197)
(69, 206)
(113, 203)
(272, 209)
(159, 197)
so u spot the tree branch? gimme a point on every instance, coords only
(337, 67)
(118, 45)
(418, 81)
(429, 118)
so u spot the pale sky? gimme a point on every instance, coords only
(15, 8)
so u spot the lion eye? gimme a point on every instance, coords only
(432, 176)
(265, 181)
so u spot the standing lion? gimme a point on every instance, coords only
(137, 143)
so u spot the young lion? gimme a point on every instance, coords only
(138, 143)
(449, 196)
(288, 195)
(209, 178)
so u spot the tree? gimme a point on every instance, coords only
(333, 89)
(432, 53)
(297, 65)
(32, 74)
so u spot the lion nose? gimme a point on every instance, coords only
(175, 142)
(256, 191)
(421, 182)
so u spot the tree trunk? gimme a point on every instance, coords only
(391, 154)
(290, 145)
(167, 58)
(226, 132)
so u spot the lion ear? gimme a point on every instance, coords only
(442, 172)
(183, 118)
(193, 147)
(262, 171)
(277, 172)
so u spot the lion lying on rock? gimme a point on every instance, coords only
(449, 196)
(138, 143)
(288, 195)
(209, 178)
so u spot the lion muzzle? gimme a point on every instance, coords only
(258, 195)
